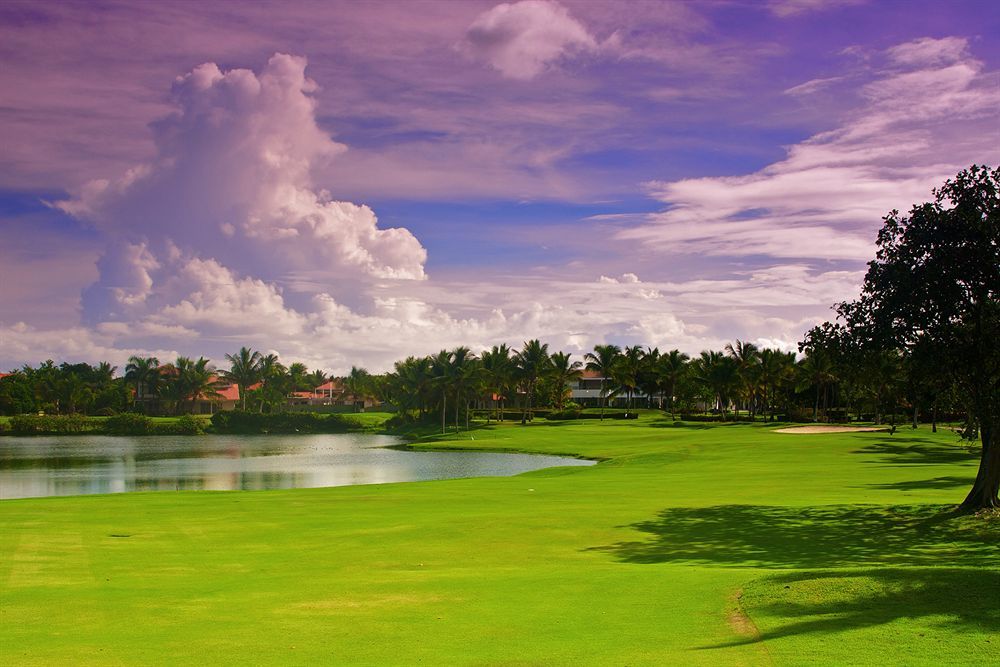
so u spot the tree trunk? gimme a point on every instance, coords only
(914, 414)
(604, 399)
(816, 406)
(984, 490)
(528, 401)
(934, 417)
(444, 407)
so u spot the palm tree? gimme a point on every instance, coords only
(244, 370)
(190, 380)
(411, 383)
(297, 374)
(602, 360)
(441, 374)
(314, 379)
(104, 372)
(531, 362)
(650, 381)
(144, 373)
(464, 372)
(772, 369)
(816, 370)
(358, 382)
(498, 373)
(274, 380)
(672, 367)
(746, 355)
(563, 372)
(719, 374)
(625, 371)
(885, 374)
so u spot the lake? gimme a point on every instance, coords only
(74, 465)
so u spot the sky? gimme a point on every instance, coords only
(346, 184)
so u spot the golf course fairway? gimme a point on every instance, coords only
(687, 545)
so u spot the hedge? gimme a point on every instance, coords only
(51, 424)
(282, 422)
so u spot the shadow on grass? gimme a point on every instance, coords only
(950, 482)
(946, 599)
(919, 451)
(826, 536)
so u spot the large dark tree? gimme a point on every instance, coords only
(935, 283)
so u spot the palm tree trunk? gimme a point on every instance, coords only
(604, 399)
(444, 407)
(527, 403)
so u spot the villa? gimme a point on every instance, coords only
(586, 392)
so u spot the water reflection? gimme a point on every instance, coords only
(62, 466)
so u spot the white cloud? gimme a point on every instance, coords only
(23, 342)
(931, 112)
(929, 52)
(224, 239)
(787, 8)
(232, 181)
(522, 39)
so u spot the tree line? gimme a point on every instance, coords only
(742, 381)
(147, 385)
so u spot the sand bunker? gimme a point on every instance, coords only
(830, 429)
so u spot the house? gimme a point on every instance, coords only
(333, 392)
(586, 392)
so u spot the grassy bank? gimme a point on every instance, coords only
(701, 544)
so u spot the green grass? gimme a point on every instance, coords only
(688, 545)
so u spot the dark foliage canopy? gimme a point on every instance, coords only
(933, 292)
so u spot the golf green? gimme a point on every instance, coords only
(692, 544)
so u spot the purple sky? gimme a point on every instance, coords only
(350, 183)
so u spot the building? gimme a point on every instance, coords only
(331, 393)
(586, 392)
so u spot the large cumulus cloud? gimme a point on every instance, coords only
(225, 240)
(232, 183)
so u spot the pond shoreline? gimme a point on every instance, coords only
(41, 466)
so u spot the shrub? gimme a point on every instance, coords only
(568, 412)
(128, 423)
(49, 424)
(187, 425)
(281, 422)
(400, 420)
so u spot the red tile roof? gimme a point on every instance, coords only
(230, 393)
(335, 385)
